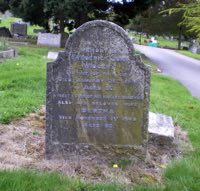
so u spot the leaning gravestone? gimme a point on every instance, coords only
(97, 96)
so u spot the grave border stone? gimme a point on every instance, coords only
(59, 150)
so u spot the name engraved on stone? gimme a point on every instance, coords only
(97, 50)
(97, 66)
(98, 88)
(94, 110)
(75, 57)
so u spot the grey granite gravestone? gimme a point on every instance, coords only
(48, 39)
(97, 96)
(19, 29)
(52, 40)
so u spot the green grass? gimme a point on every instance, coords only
(190, 54)
(7, 23)
(35, 181)
(22, 83)
(22, 90)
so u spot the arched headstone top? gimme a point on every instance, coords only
(101, 25)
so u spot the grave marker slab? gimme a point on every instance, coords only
(48, 39)
(19, 29)
(52, 40)
(97, 96)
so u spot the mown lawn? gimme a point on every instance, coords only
(190, 54)
(22, 90)
(22, 83)
(6, 22)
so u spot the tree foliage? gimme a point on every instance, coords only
(76, 12)
(4, 5)
(152, 22)
(191, 15)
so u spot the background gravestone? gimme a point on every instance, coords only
(4, 32)
(52, 40)
(97, 96)
(19, 29)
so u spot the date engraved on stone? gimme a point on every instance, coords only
(97, 125)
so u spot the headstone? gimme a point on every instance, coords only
(51, 40)
(19, 29)
(4, 32)
(39, 31)
(97, 96)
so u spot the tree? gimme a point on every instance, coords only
(31, 11)
(128, 9)
(79, 11)
(156, 21)
(4, 5)
(191, 15)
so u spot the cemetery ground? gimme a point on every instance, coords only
(6, 22)
(22, 91)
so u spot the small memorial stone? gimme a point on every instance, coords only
(97, 96)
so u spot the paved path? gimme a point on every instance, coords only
(180, 67)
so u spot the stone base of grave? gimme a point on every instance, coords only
(8, 53)
(108, 152)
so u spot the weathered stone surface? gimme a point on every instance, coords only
(161, 125)
(19, 29)
(97, 95)
(161, 129)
